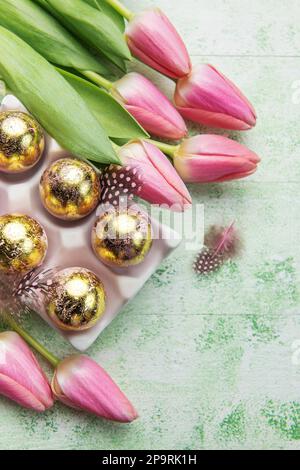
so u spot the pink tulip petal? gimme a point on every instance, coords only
(212, 158)
(206, 92)
(212, 119)
(251, 109)
(21, 374)
(163, 166)
(153, 39)
(208, 168)
(210, 144)
(16, 392)
(139, 53)
(149, 106)
(82, 383)
(161, 183)
(156, 125)
(236, 176)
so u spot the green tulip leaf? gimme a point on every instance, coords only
(95, 50)
(103, 6)
(47, 36)
(112, 116)
(91, 25)
(55, 104)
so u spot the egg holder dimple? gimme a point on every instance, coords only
(70, 242)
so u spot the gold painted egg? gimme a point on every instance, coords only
(70, 189)
(23, 244)
(75, 299)
(122, 237)
(22, 142)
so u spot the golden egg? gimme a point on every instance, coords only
(22, 142)
(75, 299)
(70, 189)
(23, 244)
(122, 237)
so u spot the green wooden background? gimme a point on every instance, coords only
(211, 363)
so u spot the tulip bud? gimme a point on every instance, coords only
(149, 106)
(81, 383)
(213, 158)
(21, 377)
(160, 182)
(154, 40)
(208, 97)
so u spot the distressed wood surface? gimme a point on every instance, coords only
(211, 363)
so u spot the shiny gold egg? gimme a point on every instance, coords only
(122, 237)
(23, 244)
(75, 299)
(70, 189)
(21, 142)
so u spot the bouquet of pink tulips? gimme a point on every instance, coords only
(203, 94)
(78, 381)
(59, 57)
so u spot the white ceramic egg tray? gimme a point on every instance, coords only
(69, 242)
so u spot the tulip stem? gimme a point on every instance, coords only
(120, 8)
(54, 361)
(98, 79)
(165, 148)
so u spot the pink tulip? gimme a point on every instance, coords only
(21, 377)
(213, 158)
(208, 97)
(154, 40)
(160, 182)
(149, 106)
(81, 383)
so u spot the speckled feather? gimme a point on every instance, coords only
(220, 244)
(35, 281)
(120, 184)
(17, 293)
